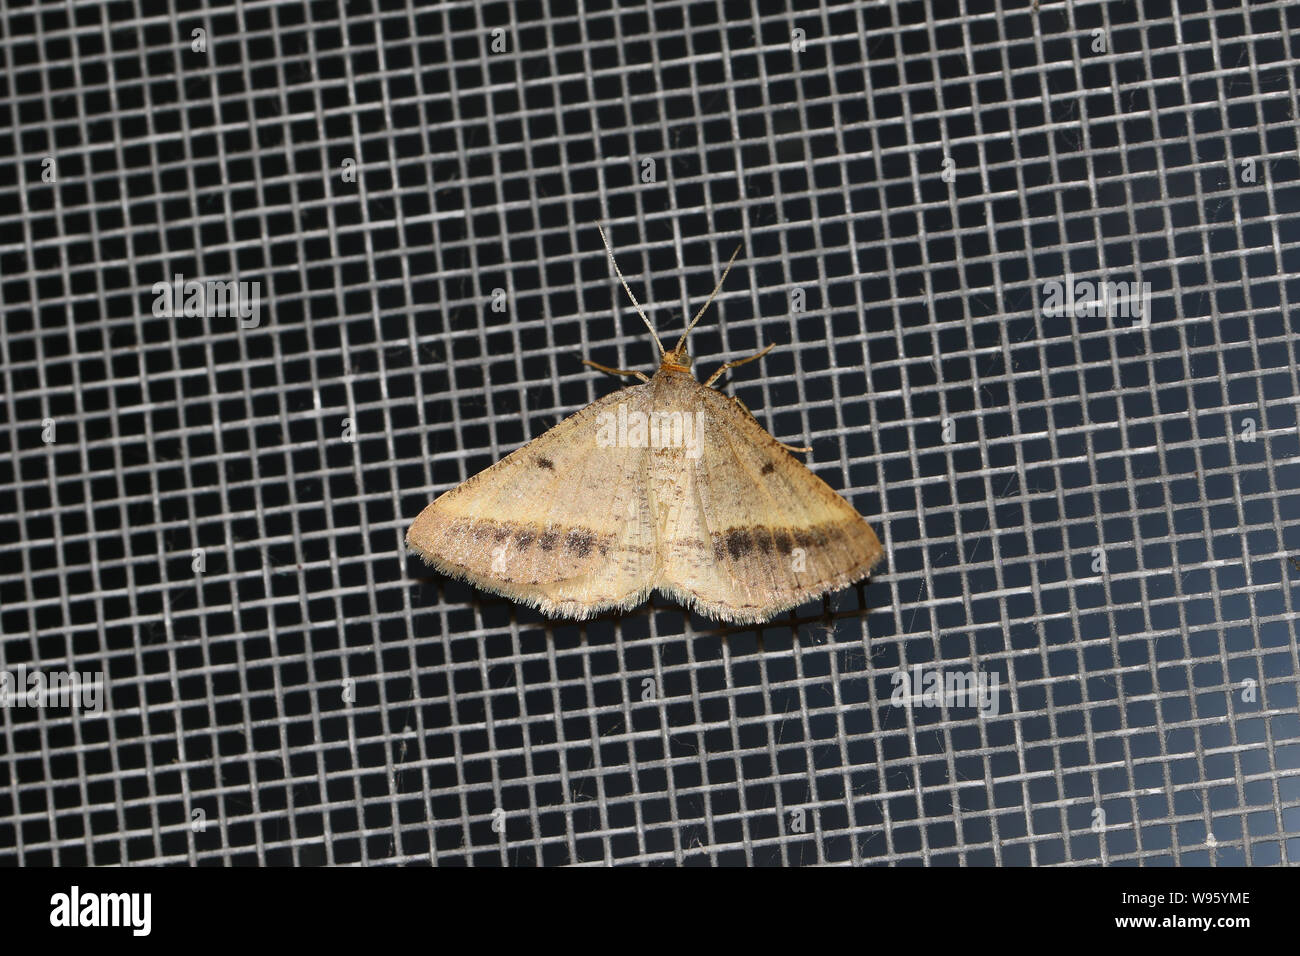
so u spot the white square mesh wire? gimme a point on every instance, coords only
(1100, 515)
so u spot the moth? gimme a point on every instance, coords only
(666, 486)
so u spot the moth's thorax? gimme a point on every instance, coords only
(676, 361)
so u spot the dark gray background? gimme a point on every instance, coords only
(483, 170)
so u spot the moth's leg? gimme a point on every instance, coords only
(616, 371)
(798, 448)
(757, 355)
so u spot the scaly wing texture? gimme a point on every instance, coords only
(755, 532)
(560, 524)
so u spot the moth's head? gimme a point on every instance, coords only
(678, 360)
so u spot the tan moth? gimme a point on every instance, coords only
(665, 486)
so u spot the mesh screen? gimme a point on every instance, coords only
(1094, 515)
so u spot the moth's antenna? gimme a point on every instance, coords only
(682, 341)
(635, 303)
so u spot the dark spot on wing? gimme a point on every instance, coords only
(814, 537)
(546, 463)
(757, 540)
(520, 536)
(769, 468)
(739, 542)
(579, 542)
(762, 538)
